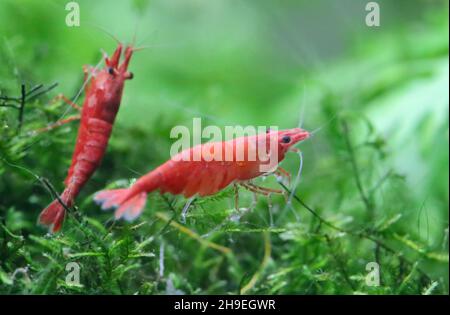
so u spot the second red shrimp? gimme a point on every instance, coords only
(102, 101)
(205, 176)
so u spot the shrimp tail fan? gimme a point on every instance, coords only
(53, 215)
(127, 207)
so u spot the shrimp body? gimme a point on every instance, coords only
(101, 104)
(204, 176)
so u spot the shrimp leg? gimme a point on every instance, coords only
(185, 210)
(62, 121)
(56, 124)
(254, 190)
(236, 197)
(283, 173)
(265, 190)
(66, 100)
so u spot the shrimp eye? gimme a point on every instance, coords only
(131, 75)
(286, 139)
(111, 70)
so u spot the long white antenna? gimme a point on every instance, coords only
(302, 107)
(81, 89)
(297, 178)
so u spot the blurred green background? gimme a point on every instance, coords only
(378, 97)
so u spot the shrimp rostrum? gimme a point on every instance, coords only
(213, 170)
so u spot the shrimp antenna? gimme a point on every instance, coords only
(136, 26)
(143, 47)
(319, 128)
(152, 33)
(105, 31)
(153, 46)
(299, 174)
(301, 115)
(295, 184)
(74, 100)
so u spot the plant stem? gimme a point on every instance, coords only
(368, 204)
(22, 105)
